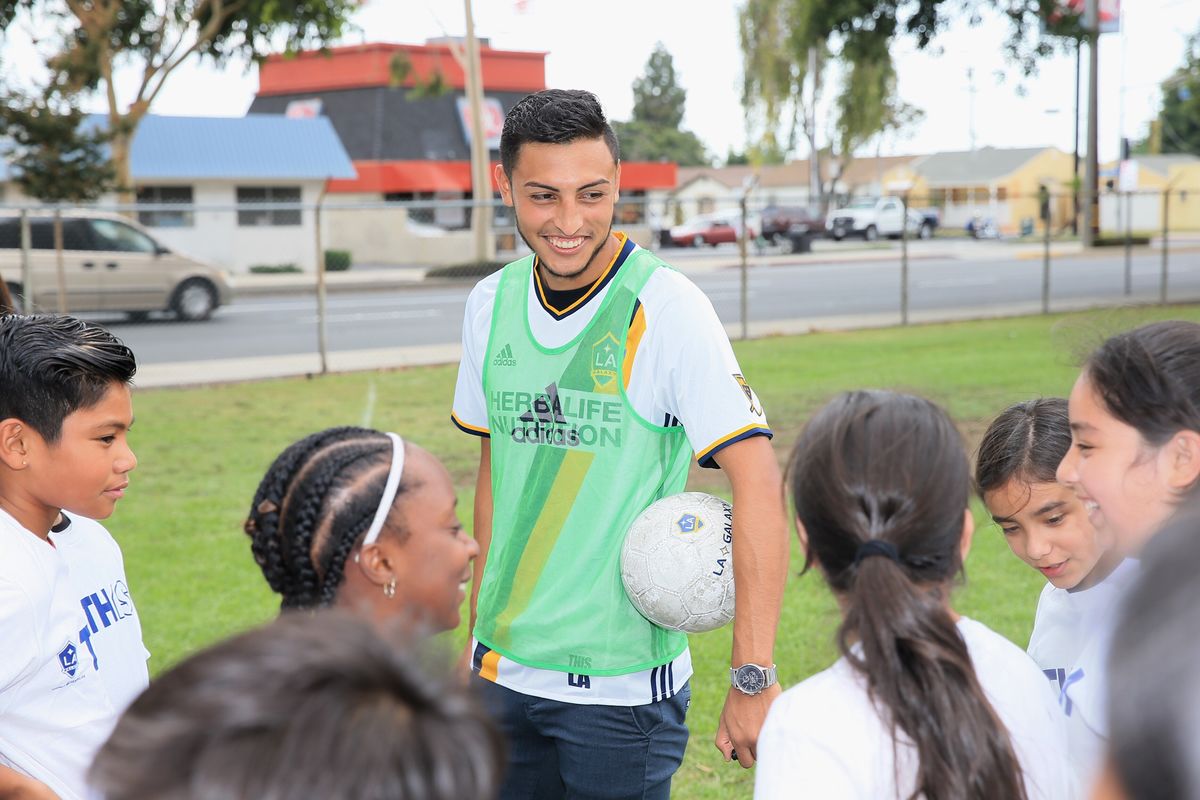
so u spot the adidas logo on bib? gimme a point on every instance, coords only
(505, 357)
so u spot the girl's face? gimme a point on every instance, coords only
(1046, 527)
(1123, 482)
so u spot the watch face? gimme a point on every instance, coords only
(750, 679)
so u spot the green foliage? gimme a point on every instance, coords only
(645, 141)
(56, 157)
(736, 159)
(658, 105)
(658, 99)
(273, 269)
(1179, 121)
(400, 71)
(337, 260)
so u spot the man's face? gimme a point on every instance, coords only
(563, 196)
(87, 470)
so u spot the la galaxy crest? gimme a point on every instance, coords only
(605, 363)
(755, 408)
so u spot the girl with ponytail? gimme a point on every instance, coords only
(360, 519)
(923, 703)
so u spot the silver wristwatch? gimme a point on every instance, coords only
(751, 678)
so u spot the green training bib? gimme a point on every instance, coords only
(572, 466)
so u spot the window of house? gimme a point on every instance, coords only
(180, 196)
(256, 205)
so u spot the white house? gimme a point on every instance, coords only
(232, 191)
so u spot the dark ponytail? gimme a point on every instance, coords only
(891, 468)
(1149, 378)
(1027, 441)
(315, 502)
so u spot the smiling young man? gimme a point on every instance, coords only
(593, 372)
(71, 640)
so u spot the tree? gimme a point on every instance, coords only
(56, 157)
(157, 36)
(1177, 128)
(654, 133)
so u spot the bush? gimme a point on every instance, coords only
(469, 269)
(1119, 241)
(337, 260)
(273, 269)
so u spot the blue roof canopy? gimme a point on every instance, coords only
(256, 146)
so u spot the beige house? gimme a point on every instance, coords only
(1141, 208)
(992, 182)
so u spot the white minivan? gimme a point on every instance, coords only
(110, 263)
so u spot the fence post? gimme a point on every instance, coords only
(322, 340)
(1046, 267)
(904, 260)
(59, 269)
(26, 264)
(1128, 244)
(1162, 281)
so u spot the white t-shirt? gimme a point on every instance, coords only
(682, 372)
(823, 738)
(1070, 643)
(62, 685)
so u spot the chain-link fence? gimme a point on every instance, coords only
(292, 281)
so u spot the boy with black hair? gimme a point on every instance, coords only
(592, 372)
(71, 641)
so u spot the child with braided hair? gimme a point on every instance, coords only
(360, 519)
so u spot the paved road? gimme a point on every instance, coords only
(781, 297)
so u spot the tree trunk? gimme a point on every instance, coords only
(119, 146)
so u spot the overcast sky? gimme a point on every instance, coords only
(604, 46)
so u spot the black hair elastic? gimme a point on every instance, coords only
(876, 547)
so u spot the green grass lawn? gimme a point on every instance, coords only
(203, 451)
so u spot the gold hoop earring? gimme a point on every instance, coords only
(389, 588)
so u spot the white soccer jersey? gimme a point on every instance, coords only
(56, 706)
(825, 738)
(679, 369)
(1070, 643)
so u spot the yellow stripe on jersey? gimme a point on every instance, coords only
(489, 666)
(703, 454)
(543, 538)
(458, 421)
(637, 329)
(598, 282)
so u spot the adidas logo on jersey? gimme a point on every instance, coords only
(505, 357)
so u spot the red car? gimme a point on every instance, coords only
(710, 229)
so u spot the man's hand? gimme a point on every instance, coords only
(741, 720)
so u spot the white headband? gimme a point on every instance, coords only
(389, 490)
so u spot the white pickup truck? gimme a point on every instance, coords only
(872, 217)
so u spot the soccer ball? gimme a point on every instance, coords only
(677, 562)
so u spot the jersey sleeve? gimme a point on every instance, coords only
(469, 412)
(18, 639)
(703, 385)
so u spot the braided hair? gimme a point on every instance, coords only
(314, 504)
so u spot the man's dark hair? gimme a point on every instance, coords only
(310, 706)
(314, 504)
(52, 366)
(554, 116)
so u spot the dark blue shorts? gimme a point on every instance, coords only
(562, 750)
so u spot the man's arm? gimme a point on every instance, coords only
(760, 565)
(16, 786)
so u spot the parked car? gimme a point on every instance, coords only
(710, 229)
(780, 222)
(110, 263)
(872, 217)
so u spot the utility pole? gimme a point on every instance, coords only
(971, 105)
(481, 182)
(1091, 210)
(814, 163)
(1075, 171)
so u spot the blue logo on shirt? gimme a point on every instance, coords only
(68, 659)
(1064, 682)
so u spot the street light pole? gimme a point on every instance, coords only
(1075, 170)
(1091, 210)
